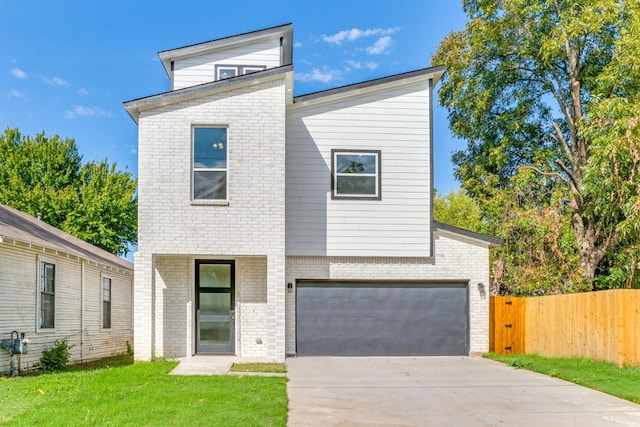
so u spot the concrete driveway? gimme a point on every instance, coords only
(441, 391)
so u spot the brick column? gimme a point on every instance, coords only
(143, 307)
(276, 291)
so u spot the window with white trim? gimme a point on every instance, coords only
(355, 174)
(47, 295)
(209, 163)
(106, 302)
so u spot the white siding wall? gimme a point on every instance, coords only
(81, 328)
(395, 121)
(251, 224)
(456, 258)
(201, 69)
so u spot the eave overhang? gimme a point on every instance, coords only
(281, 31)
(329, 95)
(135, 106)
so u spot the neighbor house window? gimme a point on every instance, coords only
(355, 174)
(210, 163)
(106, 302)
(47, 295)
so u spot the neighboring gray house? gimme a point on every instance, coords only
(273, 225)
(54, 286)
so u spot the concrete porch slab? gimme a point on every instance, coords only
(210, 364)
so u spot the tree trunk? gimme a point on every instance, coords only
(590, 253)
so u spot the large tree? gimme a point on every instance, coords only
(521, 81)
(92, 201)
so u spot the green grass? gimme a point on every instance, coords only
(141, 395)
(273, 368)
(603, 376)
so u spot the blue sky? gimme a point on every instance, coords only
(66, 67)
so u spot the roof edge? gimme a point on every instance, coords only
(493, 241)
(437, 70)
(166, 56)
(133, 106)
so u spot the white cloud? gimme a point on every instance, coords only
(317, 75)
(17, 72)
(355, 34)
(14, 93)
(55, 81)
(83, 92)
(84, 111)
(382, 45)
(357, 65)
(297, 44)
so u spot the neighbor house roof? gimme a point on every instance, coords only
(21, 229)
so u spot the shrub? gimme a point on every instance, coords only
(56, 358)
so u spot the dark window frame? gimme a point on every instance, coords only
(334, 175)
(240, 69)
(195, 169)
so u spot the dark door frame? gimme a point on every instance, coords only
(218, 348)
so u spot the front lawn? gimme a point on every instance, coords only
(263, 368)
(142, 395)
(604, 376)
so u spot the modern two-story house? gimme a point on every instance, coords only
(273, 225)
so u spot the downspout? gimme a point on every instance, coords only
(431, 174)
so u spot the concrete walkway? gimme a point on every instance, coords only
(210, 365)
(441, 391)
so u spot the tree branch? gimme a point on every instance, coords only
(541, 172)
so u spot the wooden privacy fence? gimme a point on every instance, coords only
(602, 325)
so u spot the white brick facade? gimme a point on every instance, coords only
(270, 136)
(174, 231)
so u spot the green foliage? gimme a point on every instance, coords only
(129, 349)
(56, 358)
(458, 209)
(94, 202)
(546, 96)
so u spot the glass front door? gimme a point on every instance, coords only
(215, 307)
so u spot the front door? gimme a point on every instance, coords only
(215, 320)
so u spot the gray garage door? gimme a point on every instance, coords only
(381, 319)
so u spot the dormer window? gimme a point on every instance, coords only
(228, 71)
(249, 70)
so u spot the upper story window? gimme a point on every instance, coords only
(355, 174)
(106, 302)
(228, 71)
(210, 163)
(47, 295)
(249, 70)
